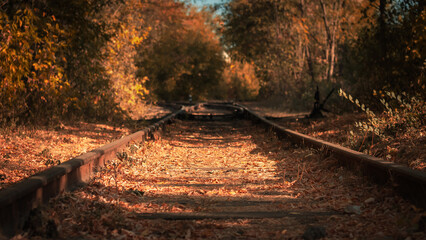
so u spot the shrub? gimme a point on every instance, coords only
(401, 112)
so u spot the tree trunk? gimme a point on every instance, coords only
(382, 29)
(310, 63)
(307, 47)
(331, 36)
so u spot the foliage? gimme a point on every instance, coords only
(292, 43)
(391, 60)
(240, 81)
(298, 44)
(130, 32)
(59, 63)
(53, 60)
(87, 34)
(250, 34)
(31, 81)
(116, 167)
(183, 55)
(247, 27)
(401, 113)
(103, 58)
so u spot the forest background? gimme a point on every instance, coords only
(106, 59)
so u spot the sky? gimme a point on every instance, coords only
(202, 3)
(207, 2)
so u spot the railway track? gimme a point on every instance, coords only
(208, 172)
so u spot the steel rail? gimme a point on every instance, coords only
(19, 199)
(410, 183)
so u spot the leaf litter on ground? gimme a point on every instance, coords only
(234, 168)
(27, 150)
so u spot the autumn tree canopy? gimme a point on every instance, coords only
(183, 54)
(53, 59)
(103, 58)
(106, 58)
(298, 44)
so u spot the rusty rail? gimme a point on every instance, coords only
(408, 182)
(215, 111)
(18, 200)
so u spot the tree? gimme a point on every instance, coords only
(30, 79)
(183, 56)
(240, 81)
(59, 44)
(299, 44)
(293, 43)
(388, 52)
(129, 33)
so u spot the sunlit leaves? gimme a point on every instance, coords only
(29, 73)
(241, 81)
(397, 117)
(129, 90)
